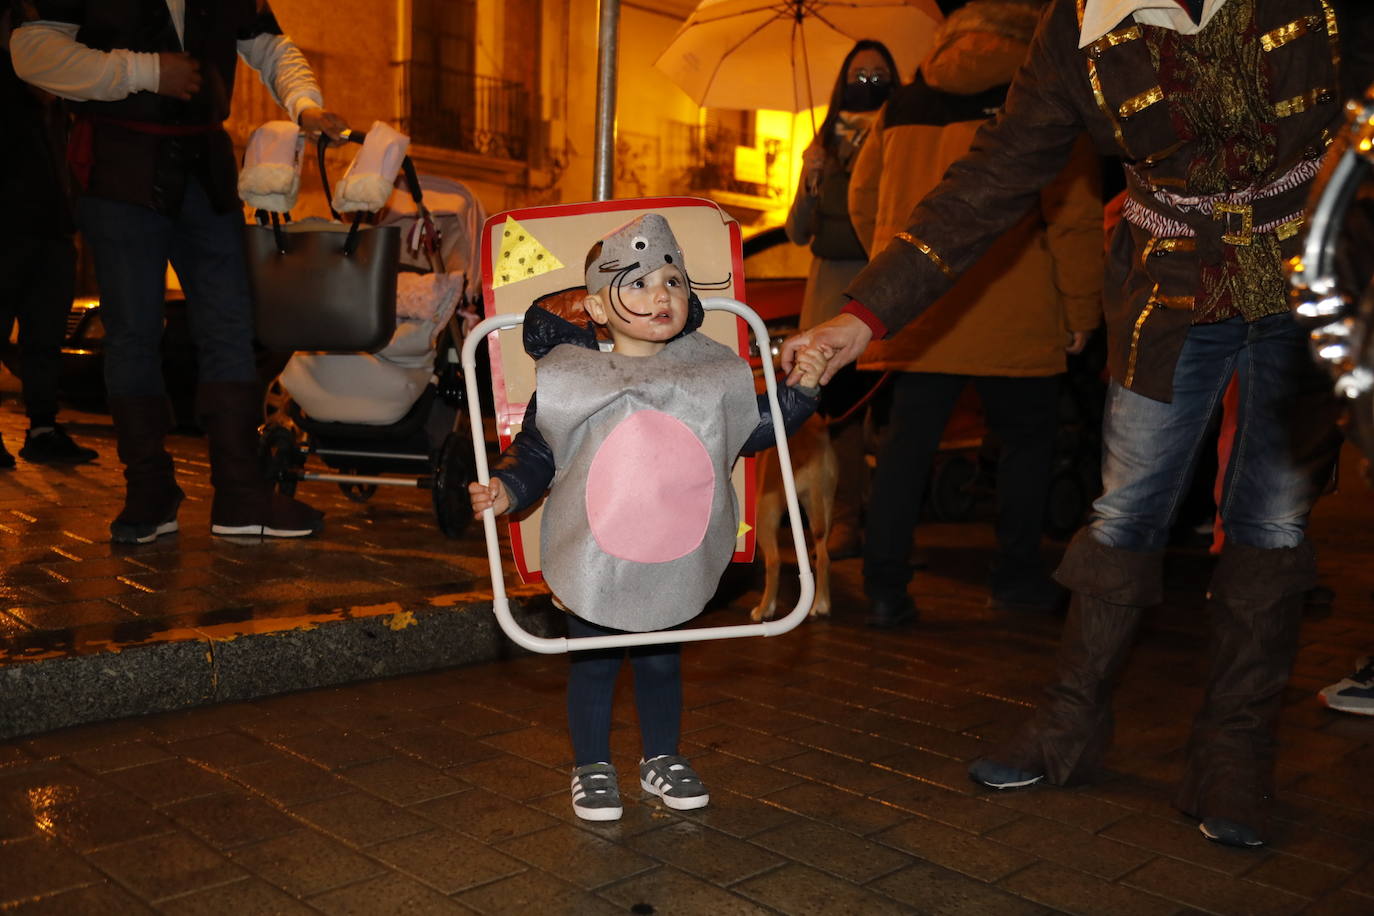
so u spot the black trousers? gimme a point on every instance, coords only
(37, 278)
(591, 688)
(1021, 412)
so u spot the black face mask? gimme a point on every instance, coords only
(865, 96)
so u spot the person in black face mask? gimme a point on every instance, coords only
(820, 218)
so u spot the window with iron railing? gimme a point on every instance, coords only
(458, 110)
(467, 81)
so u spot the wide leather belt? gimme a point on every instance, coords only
(1227, 218)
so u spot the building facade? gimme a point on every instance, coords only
(501, 95)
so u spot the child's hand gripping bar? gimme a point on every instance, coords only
(548, 646)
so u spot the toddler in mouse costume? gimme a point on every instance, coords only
(635, 447)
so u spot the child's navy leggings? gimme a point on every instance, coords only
(591, 685)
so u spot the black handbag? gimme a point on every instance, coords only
(322, 286)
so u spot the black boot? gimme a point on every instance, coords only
(1255, 611)
(245, 502)
(1065, 740)
(151, 494)
(6, 459)
(890, 611)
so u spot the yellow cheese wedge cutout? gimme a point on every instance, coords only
(521, 256)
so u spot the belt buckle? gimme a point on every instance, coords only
(1223, 211)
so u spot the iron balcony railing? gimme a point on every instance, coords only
(458, 110)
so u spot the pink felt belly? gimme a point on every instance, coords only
(649, 489)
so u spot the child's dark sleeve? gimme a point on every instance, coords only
(797, 404)
(526, 466)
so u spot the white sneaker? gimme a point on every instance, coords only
(1354, 693)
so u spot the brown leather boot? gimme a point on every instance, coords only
(1255, 612)
(151, 494)
(1065, 740)
(245, 502)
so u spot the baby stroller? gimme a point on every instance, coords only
(391, 417)
(556, 237)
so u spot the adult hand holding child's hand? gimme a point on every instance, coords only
(844, 337)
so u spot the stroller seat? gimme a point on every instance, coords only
(378, 388)
(343, 435)
(391, 417)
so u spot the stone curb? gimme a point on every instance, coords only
(238, 662)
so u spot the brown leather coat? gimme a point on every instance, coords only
(1010, 314)
(1318, 52)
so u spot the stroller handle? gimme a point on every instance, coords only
(551, 646)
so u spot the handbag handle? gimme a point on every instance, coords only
(407, 166)
(265, 216)
(359, 136)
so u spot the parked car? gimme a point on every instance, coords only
(82, 382)
(82, 379)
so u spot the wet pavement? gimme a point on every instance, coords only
(835, 755)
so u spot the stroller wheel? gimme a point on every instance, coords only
(274, 403)
(277, 453)
(358, 492)
(452, 474)
(951, 489)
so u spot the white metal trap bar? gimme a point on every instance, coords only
(553, 646)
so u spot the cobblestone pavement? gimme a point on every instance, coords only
(835, 755)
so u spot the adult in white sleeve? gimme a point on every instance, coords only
(149, 83)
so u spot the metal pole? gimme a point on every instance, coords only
(608, 39)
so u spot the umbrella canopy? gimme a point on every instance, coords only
(785, 54)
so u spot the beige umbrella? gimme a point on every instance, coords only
(785, 54)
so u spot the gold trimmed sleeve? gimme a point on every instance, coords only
(926, 250)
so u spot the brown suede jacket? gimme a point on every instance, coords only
(1318, 53)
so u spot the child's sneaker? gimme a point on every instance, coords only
(672, 779)
(1355, 693)
(595, 793)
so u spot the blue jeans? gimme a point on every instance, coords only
(1285, 446)
(131, 246)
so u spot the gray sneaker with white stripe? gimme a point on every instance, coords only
(596, 793)
(672, 779)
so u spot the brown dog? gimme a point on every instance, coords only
(816, 471)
